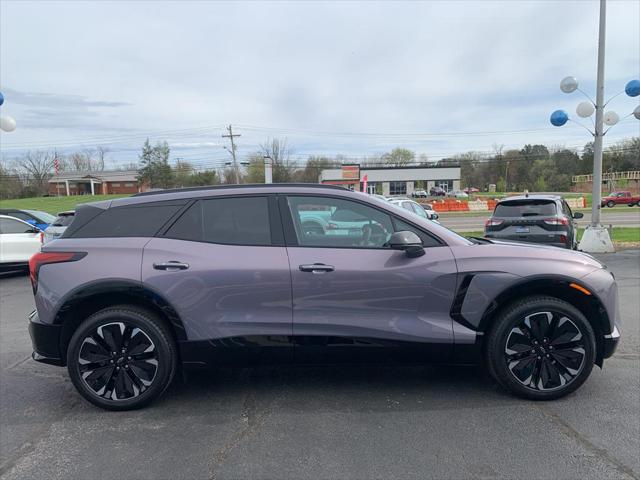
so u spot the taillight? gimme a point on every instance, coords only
(492, 222)
(43, 258)
(556, 221)
(42, 237)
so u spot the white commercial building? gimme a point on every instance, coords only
(393, 180)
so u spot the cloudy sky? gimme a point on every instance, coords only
(355, 78)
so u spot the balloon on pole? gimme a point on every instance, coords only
(1, 98)
(636, 112)
(559, 118)
(585, 109)
(632, 88)
(569, 84)
(611, 118)
(7, 124)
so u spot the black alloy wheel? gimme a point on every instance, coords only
(540, 348)
(545, 351)
(122, 358)
(118, 361)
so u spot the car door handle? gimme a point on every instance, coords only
(171, 266)
(317, 268)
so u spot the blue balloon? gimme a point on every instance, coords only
(1, 98)
(559, 118)
(632, 88)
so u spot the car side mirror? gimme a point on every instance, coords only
(407, 241)
(578, 215)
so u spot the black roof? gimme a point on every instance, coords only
(244, 185)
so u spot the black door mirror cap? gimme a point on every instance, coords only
(578, 215)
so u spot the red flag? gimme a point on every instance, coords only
(365, 180)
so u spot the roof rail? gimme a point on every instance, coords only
(244, 185)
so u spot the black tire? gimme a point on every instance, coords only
(611, 204)
(140, 366)
(540, 371)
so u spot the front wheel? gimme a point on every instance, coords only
(540, 348)
(121, 358)
(611, 204)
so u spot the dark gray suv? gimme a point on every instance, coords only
(545, 219)
(139, 287)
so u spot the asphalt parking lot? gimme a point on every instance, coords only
(356, 422)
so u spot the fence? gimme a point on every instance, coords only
(454, 205)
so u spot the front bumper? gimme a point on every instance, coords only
(45, 340)
(610, 343)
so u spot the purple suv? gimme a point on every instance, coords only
(140, 286)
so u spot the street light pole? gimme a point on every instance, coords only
(596, 238)
(599, 124)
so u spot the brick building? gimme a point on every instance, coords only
(95, 183)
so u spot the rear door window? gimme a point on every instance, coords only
(231, 221)
(525, 208)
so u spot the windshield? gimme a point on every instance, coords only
(44, 217)
(525, 208)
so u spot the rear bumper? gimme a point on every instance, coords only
(45, 340)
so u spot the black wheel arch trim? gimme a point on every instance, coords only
(120, 286)
(498, 300)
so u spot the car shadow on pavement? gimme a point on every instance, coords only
(310, 389)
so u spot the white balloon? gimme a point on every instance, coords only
(611, 118)
(569, 84)
(585, 109)
(7, 124)
(636, 112)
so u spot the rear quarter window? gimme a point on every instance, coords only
(129, 221)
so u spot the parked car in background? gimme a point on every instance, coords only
(58, 226)
(227, 276)
(437, 192)
(33, 217)
(381, 197)
(416, 208)
(19, 240)
(545, 219)
(469, 190)
(457, 194)
(419, 194)
(620, 198)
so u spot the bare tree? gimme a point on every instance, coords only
(35, 168)
(280, 153)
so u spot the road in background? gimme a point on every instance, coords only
(322, 422)
(616, 217)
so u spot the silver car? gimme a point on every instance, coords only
(58, 226)
(424, 211)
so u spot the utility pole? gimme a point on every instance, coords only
(231, 136)
(506, 175)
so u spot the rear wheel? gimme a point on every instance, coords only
(541, 348)
(121, 358)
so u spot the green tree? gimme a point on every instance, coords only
(399, 157)
(154, 169)
(255, 169)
